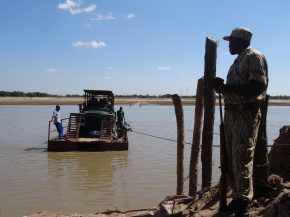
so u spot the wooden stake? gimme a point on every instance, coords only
(180, 141)
(209, 110)
(195, 147)
(261, 162)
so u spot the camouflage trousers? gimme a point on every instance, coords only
(241, 130)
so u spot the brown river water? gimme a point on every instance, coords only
(33, 180)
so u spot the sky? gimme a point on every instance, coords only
(133, 46)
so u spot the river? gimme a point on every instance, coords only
(32, 179)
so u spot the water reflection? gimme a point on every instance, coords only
(93, 176)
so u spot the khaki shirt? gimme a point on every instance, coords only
(249, 65)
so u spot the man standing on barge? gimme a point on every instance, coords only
(120, 118)
(245, 89)
(57, 121)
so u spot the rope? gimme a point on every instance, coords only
(171, 140)
(213, 132)
(158, 137)
(188, 143)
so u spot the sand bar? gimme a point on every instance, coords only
(118, 101)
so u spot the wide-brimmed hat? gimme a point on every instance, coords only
(240, 32)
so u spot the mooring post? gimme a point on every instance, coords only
(209, 110)
(180, 141)
(195, 146)
(261, 161)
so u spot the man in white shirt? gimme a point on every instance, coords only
(57, 121)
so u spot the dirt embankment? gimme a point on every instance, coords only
(119, 101)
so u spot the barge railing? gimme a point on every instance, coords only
(50, 130)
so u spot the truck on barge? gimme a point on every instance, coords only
(94, 128)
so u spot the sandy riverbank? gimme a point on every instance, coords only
(119, 101)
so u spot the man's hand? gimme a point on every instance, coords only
(218, 85)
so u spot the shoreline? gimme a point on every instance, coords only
(118, 101)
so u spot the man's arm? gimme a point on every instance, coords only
(53, 117)
(253, 87)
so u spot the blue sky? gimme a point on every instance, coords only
(133, 46)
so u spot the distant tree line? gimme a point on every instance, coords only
(22, 94)
(32, 94)
(39, 94)
(280, 97)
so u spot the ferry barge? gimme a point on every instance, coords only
(94, 128)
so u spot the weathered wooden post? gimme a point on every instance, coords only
(209, 110)
(180, 141)
(195, 147)
(261, 162)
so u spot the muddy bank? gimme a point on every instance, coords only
(206, 205)
(119, 101)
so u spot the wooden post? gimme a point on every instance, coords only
(195, 147)
(209, 110)
(261, 162)
(180, 141)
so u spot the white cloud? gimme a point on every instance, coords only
(91, 44)
(109, 68)
(50, 70)
(163, 68)
(88, 25)
(108, 78)
(101, 17)
(75, 11)
(68, 4)
(131, 16)
(74, 7)
(90, 8)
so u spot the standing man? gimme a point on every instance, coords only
(57, 121)
(245, 88)
(120, 118)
